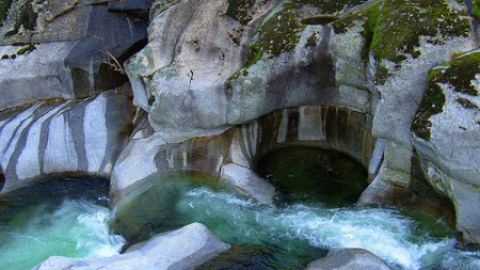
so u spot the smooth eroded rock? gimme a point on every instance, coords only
(182, 249)
(81, 137)
(348, 259)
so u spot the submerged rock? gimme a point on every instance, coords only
(182, 249)
(349, 259)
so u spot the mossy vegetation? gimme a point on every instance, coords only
(311, 41)
(24, 16)
(4, 8)
(457, 73)
(280, 33)
(26, 49)
(240, 10)
(23, 50)
(392, 28)
(432, 103)
(461, 71)
(401, 22)
(476, 8)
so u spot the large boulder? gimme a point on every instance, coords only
(230, 62)
(349, 259)
(182, 249)
(61, 49)
(75, 137)
(446, 135)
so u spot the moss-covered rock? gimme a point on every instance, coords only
(23, 16)
(393, 28)
(432, 103)
(461, 71)
(26, 49)
(458, 74)
(400, 24)
(240, 10)
(476, 8)
(4, 8)
(280, 32)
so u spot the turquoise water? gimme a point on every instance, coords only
(299, 227)
(72, 228)
(291, 234)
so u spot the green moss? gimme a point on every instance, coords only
(401, 23)
(280, 33)
(26, 49)
(4, 8)
(382, 74)
(24, 16)
(476, 8)
(392, 28)
(458, 73)
(311, 41)
(239, 10)
(432, 103)
(255, 54)
(461, 71)
(368, 12)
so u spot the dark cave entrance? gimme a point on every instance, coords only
(303, 173)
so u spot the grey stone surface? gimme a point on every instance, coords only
(246, 182)
(40, 74)
(348, 259)
(182, 249)
(68, 53)
(78, 137)
(193, 66)
(231, 153)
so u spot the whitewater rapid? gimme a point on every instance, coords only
(75, 228)
(385, 232)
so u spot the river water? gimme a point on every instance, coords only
(284, 235)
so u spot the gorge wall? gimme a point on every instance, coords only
(216, 84)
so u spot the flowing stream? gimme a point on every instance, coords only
(62, 217)
(291, 234)
(287, 234)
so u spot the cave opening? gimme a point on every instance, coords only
(302, 173)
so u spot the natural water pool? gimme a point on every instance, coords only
(73, 228)
(66, 217)
(288, 234)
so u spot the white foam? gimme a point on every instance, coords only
(384, 232)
